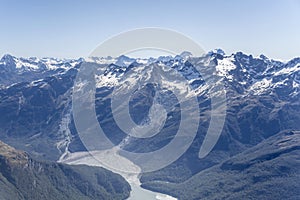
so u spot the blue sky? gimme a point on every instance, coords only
(73, 29)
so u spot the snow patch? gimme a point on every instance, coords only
(288, 70)
(260, 87)
(225, 66)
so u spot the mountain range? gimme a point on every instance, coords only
(263, 108)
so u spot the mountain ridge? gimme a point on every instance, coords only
(21, 177)
(269, 170)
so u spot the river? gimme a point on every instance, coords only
(110, 159)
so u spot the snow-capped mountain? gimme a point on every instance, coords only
(36, 104)
(14, 70)
(252, 74)
(34, 64)
(249, 75)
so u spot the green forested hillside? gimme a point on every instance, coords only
(21, 177)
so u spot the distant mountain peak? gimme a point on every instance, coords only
(7, 58)
(124, 61)
(217, 51)
(186, 54)
(263, 57)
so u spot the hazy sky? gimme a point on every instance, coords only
(73, 28)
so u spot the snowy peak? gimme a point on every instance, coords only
(293, 62)
(8, 60)
(251, 75)
(37, 64)
(261, 56)
(186, 54)
(248, 75)
(124, 61)
(217, 51)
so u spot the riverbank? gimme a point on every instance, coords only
(110, 159)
